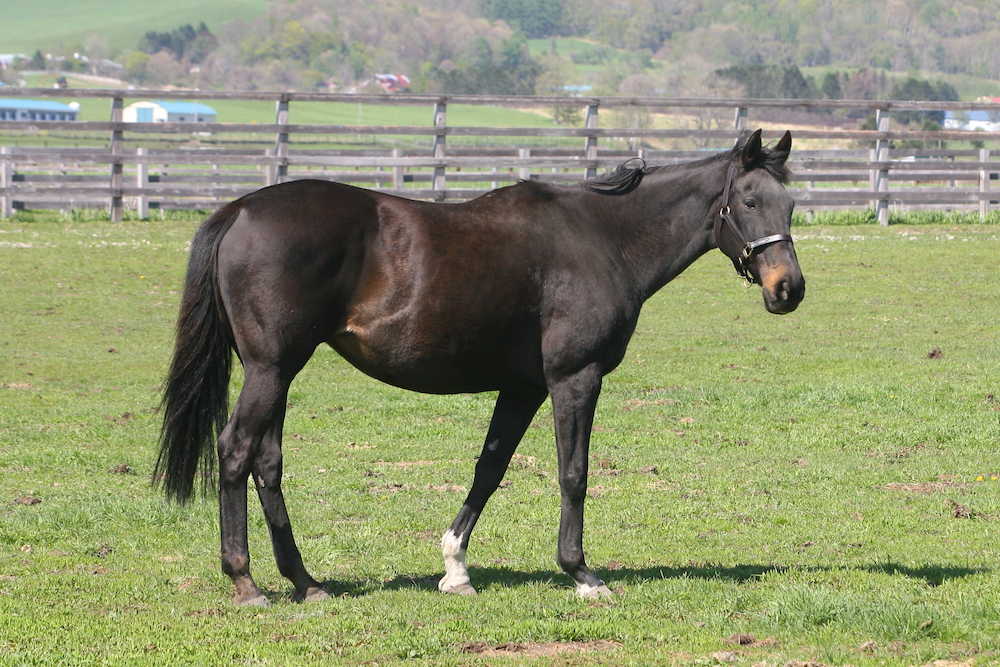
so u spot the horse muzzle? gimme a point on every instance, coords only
(783, 292)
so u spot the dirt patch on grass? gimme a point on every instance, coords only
(446, 488)
(743, 639)
(925, 487)
(396, 487)
(897, 454)
(636, 403)
(354, 445)
(103, 551)
(539, 649)
(522, 461)
(392, 487)
(122, 419)
(960, 511)
(406, 464)
(203, 612)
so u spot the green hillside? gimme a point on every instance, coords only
(54, 24)
(755, 48)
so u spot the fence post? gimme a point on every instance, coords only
(440, 124)
(397, 171)
(117, 104)
(882, 176)
(590, 147)
(281, 140)
(740, 119)
(6, 177)
(141, 182)
(524, 171)
(984, 184)
(269, 167)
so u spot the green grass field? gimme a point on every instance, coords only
(49, 24)
(824, 483)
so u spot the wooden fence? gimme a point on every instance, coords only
(115, 171)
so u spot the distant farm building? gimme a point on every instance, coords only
(36, 110)
(168, 112)
(988, 121)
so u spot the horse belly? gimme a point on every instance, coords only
(432, 365)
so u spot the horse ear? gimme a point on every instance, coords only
(784, 146)
(751, 151)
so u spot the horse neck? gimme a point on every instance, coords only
(667, 222)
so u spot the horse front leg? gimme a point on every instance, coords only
(511, 417)
(574, 398)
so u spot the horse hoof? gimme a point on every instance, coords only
(254, 601)
(588, 592)
(464, 588)
(311, 594)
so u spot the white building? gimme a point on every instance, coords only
(972, 120)
(168, 112)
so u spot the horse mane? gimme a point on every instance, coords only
(627, 176)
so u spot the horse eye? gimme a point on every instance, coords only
(750, 203)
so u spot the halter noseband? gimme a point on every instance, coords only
(742, 261)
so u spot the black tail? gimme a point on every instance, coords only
(195, 402)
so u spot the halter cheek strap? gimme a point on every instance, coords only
(741, 262)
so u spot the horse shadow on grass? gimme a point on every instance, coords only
(490, 576)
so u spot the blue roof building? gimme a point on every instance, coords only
(35, 110)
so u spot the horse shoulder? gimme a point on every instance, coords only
(590, 307)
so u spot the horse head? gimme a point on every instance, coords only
(754, 221)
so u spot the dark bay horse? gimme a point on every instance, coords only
(531, 290)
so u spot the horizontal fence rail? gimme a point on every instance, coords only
(177, 165)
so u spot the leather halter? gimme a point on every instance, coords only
(742, 261)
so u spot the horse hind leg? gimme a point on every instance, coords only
(251, 442)
(236, 448)
(267, 478)
(511, 417)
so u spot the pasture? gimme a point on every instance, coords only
(48, 24)
(821, 486)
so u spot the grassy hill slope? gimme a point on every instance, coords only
(55, 23)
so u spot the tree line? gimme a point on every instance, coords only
(756, 48)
